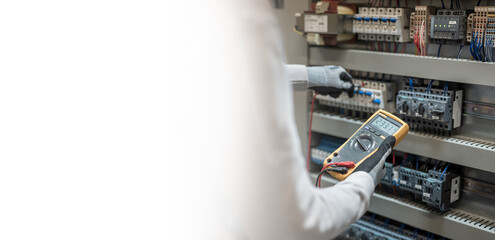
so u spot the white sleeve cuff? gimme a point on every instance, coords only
(298, 76)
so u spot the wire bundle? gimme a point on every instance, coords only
(419, 40)
(481, 47)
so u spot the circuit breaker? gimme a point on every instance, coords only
(368, 97)
(382, 24)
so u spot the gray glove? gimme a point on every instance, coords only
(375, 164)
(331, 80)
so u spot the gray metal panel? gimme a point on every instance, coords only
(449, 149)
(454, 70)
(446, 225)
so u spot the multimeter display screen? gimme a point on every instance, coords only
(384, 125)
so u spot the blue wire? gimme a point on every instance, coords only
(443, 5)
(416, 163)
(446, 89)
(415, 232)
(439, 48)
(459, 52)
(411, 84)
(428, 236)
(428, 89)
(472, 47)
(451, 4)
(479, 1)
(441, 176)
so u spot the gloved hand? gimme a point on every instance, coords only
(331, 80)
(375, 164)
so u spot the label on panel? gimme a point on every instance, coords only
(316, 23)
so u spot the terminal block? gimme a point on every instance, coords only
(434, 111)
(481, 25)
(369, 97)
(420, 21)
(382, 24)
(448, 26)
(412, 180)
(441, 189)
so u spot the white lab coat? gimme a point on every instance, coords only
(284, 204)
(242, 139)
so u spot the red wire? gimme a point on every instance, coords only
(309, 137)
(403, 47)
(393, 158)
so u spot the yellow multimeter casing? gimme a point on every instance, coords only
(365, 142)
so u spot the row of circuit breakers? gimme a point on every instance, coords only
(423, 24)
(425, 108)
(402, 24)
(425, 180)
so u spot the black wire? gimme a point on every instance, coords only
(319, 175)
(479, 1)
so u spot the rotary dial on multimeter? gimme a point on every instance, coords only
(363, 143)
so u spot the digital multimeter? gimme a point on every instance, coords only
(365, 142)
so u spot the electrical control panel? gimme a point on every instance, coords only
(441, 189)
(382, 24)
(449, 107)
(369, 96)
(448, 26)
(430, 110)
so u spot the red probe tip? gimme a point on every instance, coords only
(345, 164)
